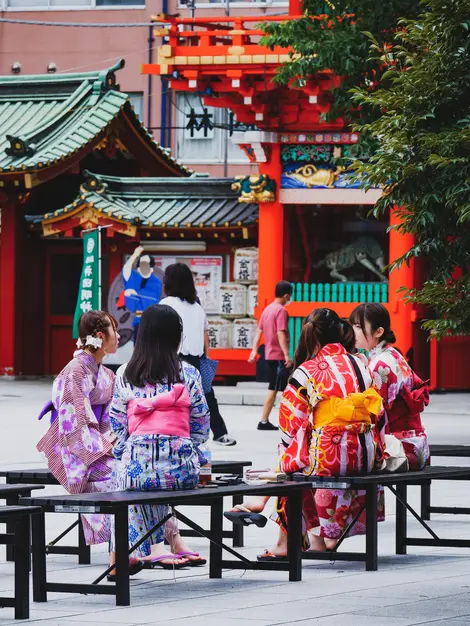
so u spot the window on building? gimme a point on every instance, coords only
(203, 131)
(70, 4)
(240, 3)
(137, 100)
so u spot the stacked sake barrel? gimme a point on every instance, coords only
(237, 300)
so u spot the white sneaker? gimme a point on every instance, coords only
(225, 440)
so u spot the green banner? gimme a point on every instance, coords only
(89, 288)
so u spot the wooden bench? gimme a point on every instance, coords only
(43, 477)
(397, 483)
(18, 519)
(117, 504)
(443, 450)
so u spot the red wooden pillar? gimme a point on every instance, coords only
(295, 7)
(402, 314)
(271, 232)
(8, 250)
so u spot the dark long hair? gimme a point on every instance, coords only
(179, 282)
(155, 358)
(377, 316)
(321, 327)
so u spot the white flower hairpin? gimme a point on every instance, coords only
(95, 342)
(79, 343)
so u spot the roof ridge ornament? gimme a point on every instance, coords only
(19, 147)
(92, 183)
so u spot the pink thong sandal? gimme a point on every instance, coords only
(157, 561)
(198, 560)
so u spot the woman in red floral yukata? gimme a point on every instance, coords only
(403, 393)
(327, 418)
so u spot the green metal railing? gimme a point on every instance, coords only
(332, 292)
(340, 292)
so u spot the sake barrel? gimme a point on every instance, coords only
(243, 333)
(252, 299)
(220, 332)
(232, 301)
(245, 265)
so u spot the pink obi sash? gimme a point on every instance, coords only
(165, 414)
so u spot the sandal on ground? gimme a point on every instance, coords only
(269, 557)
(192, 562)
(135, 566)
(245, 517)
(157, 561)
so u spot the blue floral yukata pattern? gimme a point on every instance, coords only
(153, 462)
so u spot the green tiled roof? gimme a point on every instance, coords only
(45, 119)
(196, 202)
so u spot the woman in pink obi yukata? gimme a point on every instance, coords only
(160, 417)
(403, 393)
(78, 444)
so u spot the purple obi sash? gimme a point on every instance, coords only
(50, 408)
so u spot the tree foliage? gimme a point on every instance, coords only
(332, 36)
(422, 127)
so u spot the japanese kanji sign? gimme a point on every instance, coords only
(89, 288)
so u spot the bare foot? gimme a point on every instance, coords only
(317, 544)
(331, 543)
(255, 504)
(159, 550)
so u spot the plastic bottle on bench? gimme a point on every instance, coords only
(206, 469)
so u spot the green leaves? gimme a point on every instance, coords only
(422, 128)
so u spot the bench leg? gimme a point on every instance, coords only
(400, 531)
(425, 501)
(238, 539)
(84, 552)
(11, 500)
(215, 551)
(294, 536)
(371, 528)
(22, 553)
(121, 539)
(39, 558)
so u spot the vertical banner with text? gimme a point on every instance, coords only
(89, 288)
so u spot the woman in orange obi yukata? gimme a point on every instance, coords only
(327, 418)
(403, 393)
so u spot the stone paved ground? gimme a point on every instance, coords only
(428, 586)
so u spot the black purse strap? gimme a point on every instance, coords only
(360, 378)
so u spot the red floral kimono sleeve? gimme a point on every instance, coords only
(294, 423)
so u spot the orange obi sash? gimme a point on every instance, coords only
(355, 408)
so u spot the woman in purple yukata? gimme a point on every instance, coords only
(78, 444)
(160, 416)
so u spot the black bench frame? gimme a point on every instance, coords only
(44, 477)
(12, 494)
(117, 504)
(18, 535)
(443, 450)
(397, 483)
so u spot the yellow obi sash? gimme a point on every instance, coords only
(356, 408)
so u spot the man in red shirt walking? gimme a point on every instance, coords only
(274, 325)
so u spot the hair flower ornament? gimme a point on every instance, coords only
(79, 343)
(95, 342)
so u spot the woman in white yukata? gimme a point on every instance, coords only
(160, 417)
